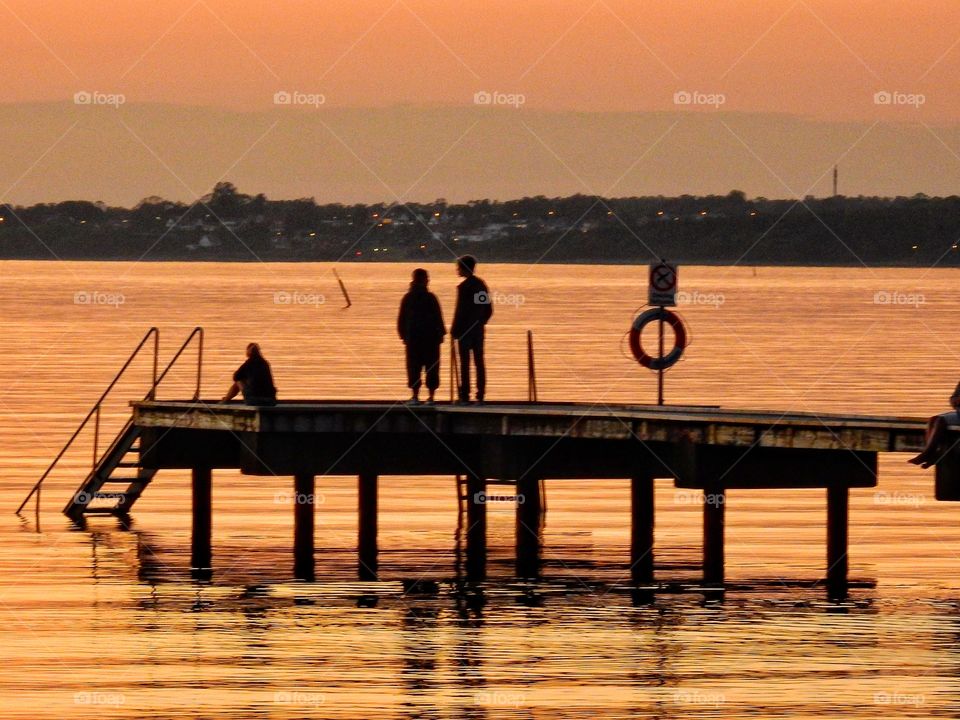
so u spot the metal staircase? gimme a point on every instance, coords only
(117, 478)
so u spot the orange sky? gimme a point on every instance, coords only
(808, 57)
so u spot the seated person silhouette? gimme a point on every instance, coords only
(254, 379)
(934, 449)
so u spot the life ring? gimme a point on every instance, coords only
(679, 338)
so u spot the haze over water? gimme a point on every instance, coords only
(106, 622)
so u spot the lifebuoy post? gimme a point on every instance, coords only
(662, 293)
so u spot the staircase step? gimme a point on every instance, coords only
(128, 465)
(104, 511)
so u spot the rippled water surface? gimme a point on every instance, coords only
(106, 621)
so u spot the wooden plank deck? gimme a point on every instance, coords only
(647, 423)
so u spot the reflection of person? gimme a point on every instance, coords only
(474, 309)
(254, 379)
(420, 325)
(937, 431)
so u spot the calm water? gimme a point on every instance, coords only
(106, 622)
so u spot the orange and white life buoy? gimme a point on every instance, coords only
(679, 338)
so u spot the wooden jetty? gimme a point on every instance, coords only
(708, 449)
(524, 444)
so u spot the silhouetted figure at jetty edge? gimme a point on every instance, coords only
(254, 379)
(420, 326)
(937, 431)
(474, 309)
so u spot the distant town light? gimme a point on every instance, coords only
(659, 212)
(436, 214)
(916, 247)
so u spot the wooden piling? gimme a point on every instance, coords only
(641, 529)
(304, 493)
(367, 541)
(714, 511)
(201, 553)
(838, 500)
(476, 527)
(529, 526)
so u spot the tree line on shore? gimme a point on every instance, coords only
(229, 225)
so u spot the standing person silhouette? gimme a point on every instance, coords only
(473, 312)
(420, 325)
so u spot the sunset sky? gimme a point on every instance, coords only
(573, 60)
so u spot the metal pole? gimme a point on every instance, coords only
(531, 370)
(660, 370)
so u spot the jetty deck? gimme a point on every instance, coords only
(708, 448)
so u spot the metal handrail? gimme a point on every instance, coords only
(196, 332)
(95, 410)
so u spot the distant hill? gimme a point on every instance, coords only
(121, 154)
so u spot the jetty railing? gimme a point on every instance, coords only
(95, 412)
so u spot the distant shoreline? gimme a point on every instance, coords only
(716, 230)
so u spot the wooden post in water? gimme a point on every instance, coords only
(714, 511)
(367, 542)
(641, 529)
(476, 527)
(529, 519)
(201, 554)
(304, 493)
(838, 500)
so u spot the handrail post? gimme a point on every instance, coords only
(156, 356)
(96, 439)
(196, 394)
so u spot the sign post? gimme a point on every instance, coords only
(663, 294)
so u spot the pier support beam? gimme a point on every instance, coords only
(714, 511)
(529, 526)
(641, 529)
(476, 527)
(201, 554)
(838, 500)
(304, 492)
(367, 541)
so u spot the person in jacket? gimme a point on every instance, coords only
(254, 379)
(420, 326)
(473, 312)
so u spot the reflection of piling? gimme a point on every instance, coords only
(201, 554)
(838, 498)
(367, 522)
(304, 489)
(529, 526)
(476, 527)
(714, 511)
(641, 533)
